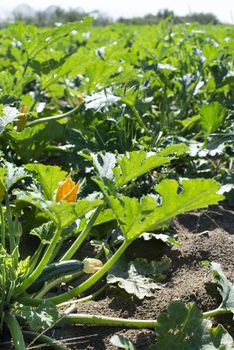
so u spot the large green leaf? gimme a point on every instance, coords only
(146, 215)
(104, 217)
(48, 176)
(45, 232)
(14, 174)
(43, 316)
(211, 116)
(63, 213)
(66, 213)
(183, 328)
(33, 196)
(138, 163)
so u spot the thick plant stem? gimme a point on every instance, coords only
(136, 115)
(35, 257)
(93, 279)
(3, 228)
(15, 330)
(36, 337)
(139, 120)
(53, 117)
(94, 320)
(216, 312)
(45, 259)
(29, 301)
(75, 246)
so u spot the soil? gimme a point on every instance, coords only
(204, 235)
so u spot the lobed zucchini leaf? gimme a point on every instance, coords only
(211, 117)
(62, 212)
(138, 163)
(48, 176)
(183, 328)
(43, 316)
(14, 174)
(147, 215)
(45, 232)
(66, 213)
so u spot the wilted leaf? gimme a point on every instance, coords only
(139, 277)
(226, 287)
(122, 342)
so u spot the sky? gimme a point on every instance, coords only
(223, 9)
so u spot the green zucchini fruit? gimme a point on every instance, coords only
(55, 270)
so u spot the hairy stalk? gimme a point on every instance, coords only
(55, 252)
(53, 117)
(35, 257)
(80, 239)
(38, 270)
(216, 312)
(15, 331)
(29, 301)
(93, 279)
(95, 320)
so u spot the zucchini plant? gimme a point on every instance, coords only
(25, 301)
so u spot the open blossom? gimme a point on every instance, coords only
(67, 190)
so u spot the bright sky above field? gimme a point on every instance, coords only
(223, 9)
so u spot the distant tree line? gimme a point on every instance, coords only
(202, 18)
(59, 15)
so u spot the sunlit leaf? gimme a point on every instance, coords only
(48, 177)
(136, 163)
(146, 215)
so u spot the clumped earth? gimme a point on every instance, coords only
(204, 235)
